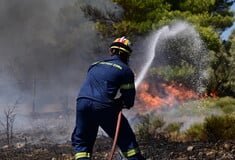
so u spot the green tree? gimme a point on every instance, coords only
(231, 78)
(139, 17)
(229, 85)
(222, 79)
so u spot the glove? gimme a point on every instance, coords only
(119, 103)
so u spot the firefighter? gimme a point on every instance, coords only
(98, 106)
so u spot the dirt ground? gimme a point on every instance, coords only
(156, 149)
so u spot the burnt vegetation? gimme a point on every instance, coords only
(212, 139)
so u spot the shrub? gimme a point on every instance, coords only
(142, 129)
(148, 126)
(227, 104)
(220, 127)
(172, 131)
(173, 127)
(196, 133)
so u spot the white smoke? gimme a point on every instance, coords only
(33, 62)
(45, 49)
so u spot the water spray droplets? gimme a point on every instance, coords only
(174, 42)
(150, 54)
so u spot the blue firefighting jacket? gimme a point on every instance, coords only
(105, 78)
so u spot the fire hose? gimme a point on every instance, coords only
(116, 135)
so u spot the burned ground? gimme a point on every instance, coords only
(159, 148)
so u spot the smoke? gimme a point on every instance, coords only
(45, 49)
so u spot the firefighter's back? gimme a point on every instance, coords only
(104, 79)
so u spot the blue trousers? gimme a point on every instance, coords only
(89, 116)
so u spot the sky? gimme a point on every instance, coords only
(226, 33)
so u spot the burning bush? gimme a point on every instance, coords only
(155, 96)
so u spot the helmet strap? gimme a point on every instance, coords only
(122, 55)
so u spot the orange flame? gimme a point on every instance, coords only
(166, 95)
(212, 95)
